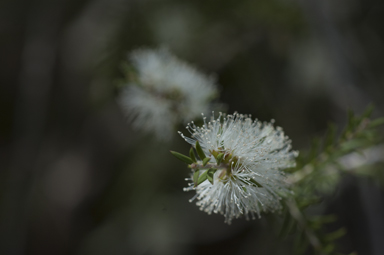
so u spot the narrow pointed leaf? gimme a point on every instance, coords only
(214, 153)
(205, 161)
(256, 183)
(219, 158)
(210, 174)
(287, 225)
(196, 177)
(336, 234)
(210, 179)
(329, 248)
(192, 155)
(376, 122)
(327, 218)
(353, 144)
(202, 178)
(262, 140)
(331, 134)
(315, 146)
(352, 120)
(182, 157)
(368, 111)
(300, 243)
(349, 127)
(200, 151)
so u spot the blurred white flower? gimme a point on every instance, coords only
(164, 91)
(248, 179)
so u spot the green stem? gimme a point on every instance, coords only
(299, 217)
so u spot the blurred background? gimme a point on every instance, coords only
(75, 178)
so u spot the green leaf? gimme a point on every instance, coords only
(219, 158)
(202, 178)
(370, 135)
(368, 111)
(256, 183)
(376, 122)
(308, 201)
(210, 174)
(192, 155)
(182, 157)
(336, 234)
(315, 146)
(210, 179)
(331, 134)
(196, 177)
(324, 218)
(351, 118)
(262, 140)
(287, 225)
(329, 248)
(300, 243)
(200, 151)
(205, 161)
(353, 145)
(253, 183)
(349, 127)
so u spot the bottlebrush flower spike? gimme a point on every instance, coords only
(164, 91)
(244, 174)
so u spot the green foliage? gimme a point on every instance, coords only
(219, 158)
(192, 155)
(202, 178)
(307, 232)
(210, 174)
(319, 170)
(205, 161)
(200, 151)
(182, 157)
(196, 177)
(255, 183)
(317, 174)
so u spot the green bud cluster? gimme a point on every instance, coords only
(198, 175)
(225, 161)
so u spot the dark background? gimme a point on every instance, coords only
(75, 178)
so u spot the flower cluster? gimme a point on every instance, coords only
(240, 166)
(164, 91)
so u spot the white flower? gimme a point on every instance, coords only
(249, 179)
(164, 92)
